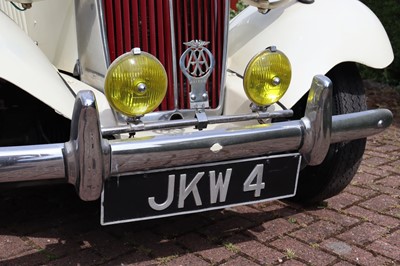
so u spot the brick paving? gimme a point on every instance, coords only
(360, 226)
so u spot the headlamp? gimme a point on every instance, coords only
(135, 83)
(267, 77)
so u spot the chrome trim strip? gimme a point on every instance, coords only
(173, 151)
(131, 128)
(174, 60)
(104, 39)
(216, 163)
(220, 106)
(186, 113)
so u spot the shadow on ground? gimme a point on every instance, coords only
(51, 225)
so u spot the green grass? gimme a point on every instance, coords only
(165, 260)
(290, 254)
(231, 247)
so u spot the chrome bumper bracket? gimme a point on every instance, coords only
(87, 154)
(317, 121)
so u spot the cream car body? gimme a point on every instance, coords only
(59, 52)
(42, 42)
(313, 39)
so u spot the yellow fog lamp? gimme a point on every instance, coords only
(136, 83)
(267, 77)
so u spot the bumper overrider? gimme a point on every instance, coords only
(88, 159)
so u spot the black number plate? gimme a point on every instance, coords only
(196, 188)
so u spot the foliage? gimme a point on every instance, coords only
(239, 7)
(388, 12)
(231, 247)
(290, 254)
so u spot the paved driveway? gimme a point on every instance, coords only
(361, 226)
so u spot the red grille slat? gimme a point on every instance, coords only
(135, 23)
(186, 37)
(144, 34)
(110, 28)
(206, 20)
(127, 25)
(193, 20)
(199, 21)
(147, 24)
(153, 36)
(178, 37)
(220, 52)
(161, 43)
(118, 27)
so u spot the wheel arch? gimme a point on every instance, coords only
(319, 182)
(315, 38)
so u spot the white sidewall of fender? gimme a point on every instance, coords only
(315, 38)
(25, 65)
(51, 25)
(107, 118)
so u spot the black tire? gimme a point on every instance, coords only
(317, 183)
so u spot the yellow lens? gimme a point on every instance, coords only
(135, 84)
(267, 77)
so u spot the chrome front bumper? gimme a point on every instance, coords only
(88, 159)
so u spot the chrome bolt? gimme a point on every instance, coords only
(276, 81)
(141, 87)
(205, 97)
(136, 51)
(193, 97)
(380, 124)
(216, 148)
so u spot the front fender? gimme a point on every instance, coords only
(25, 65)
(315, 37)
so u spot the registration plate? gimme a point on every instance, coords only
(196, 188)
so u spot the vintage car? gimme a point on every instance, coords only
(166, 107)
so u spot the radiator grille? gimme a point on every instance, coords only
(147, 24)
